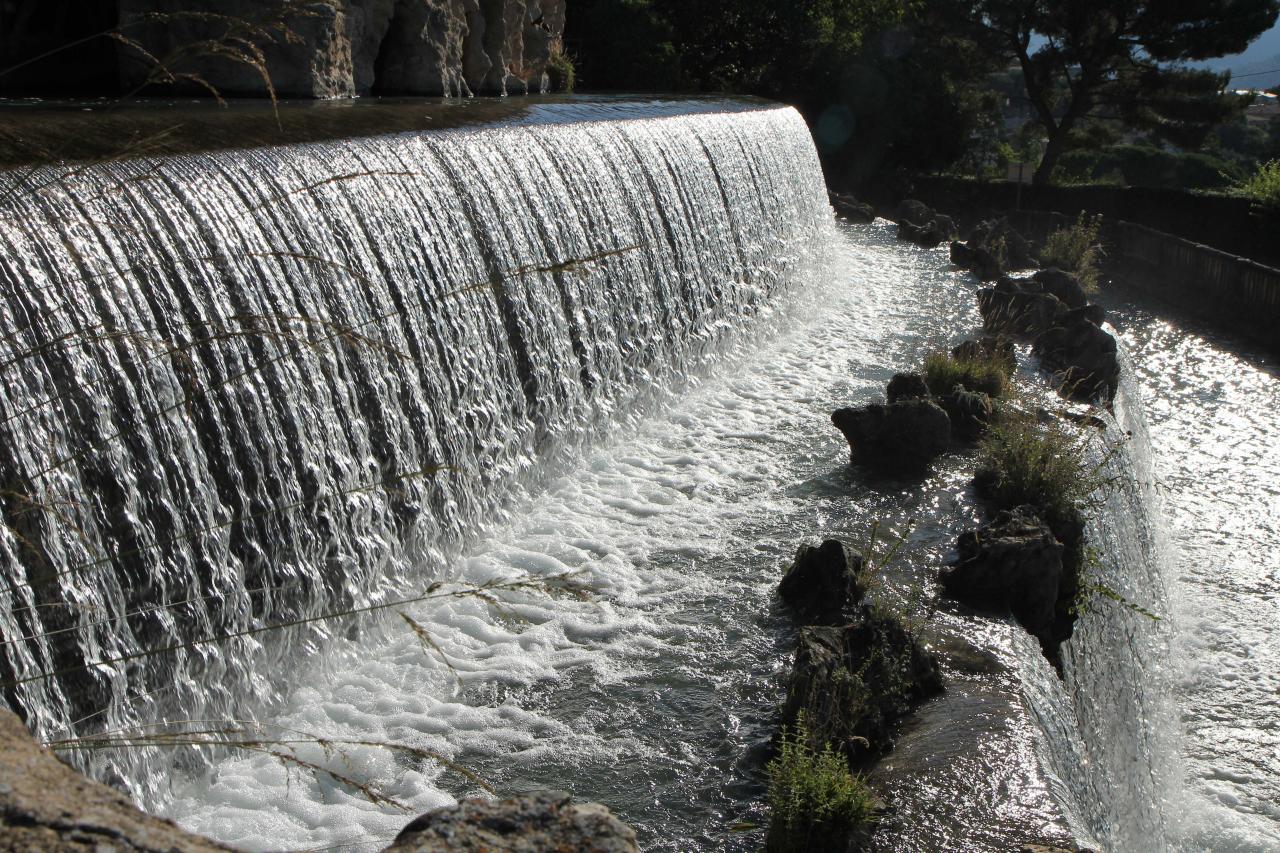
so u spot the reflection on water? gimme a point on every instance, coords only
(1214, 413)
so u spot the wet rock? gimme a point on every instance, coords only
(546, 822)
(906, 386)
(946, 226)
(1063, 285)
(977, 260)
(928, 235)
(854, 683)
(913, 211)
(1013, 246)
(988, 348)
(1083, 357)
(1013, 563)
(970, 412)
(1014, 309)
(851, 209)
(823, 582)
(47, 806)
(900, 438)
(1095, 314)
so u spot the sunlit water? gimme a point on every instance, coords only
(1213, 407)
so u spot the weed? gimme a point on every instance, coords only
(813, 796)
(1263, 187)
(1076, 249)
(942, 374)
(560, 71)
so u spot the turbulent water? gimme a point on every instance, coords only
(553, 396)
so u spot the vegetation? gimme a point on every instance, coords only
(813, 796)
(1076, 249)
(989, 376)
(1022, 462)
(1121, 60)
(1264, 186)
(561, 72)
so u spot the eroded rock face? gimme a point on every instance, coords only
(1063, 285)
(854, 683)
(46, 805)
(822, 582)
(1083, 357)
(906, 386)
(977, 260)
(545, 822)
(354, 47)
(971, 412)
(1014, 562)
(898, 438)
(1018, 308)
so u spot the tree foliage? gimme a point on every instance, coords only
(1118, 58)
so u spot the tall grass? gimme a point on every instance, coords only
(1076, 249)
(815, 802)
(943, 373)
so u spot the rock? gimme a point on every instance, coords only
(854, 683)
(420, 47)
(928, 235)
(1083, 357)
(1095, 314)
(899, 438)
(906, 386)
(47, 806)
(977, 260)
(1011, 308)
(915, 212)
(546, 822)
(1013, 246)
(822, 582)
(852, 209)
(946, 226)
(1063, 285)
(1015, 562)
(970, 412)
(988, 348)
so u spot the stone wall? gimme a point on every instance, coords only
(342, 48)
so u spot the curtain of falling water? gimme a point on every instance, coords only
(248, 388)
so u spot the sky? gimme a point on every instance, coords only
(1262, 55)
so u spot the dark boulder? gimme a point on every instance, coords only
(823, 582)
(998, 234)
(851, 209)
(1063, 285)
(1095, 314)
(1014, 309)
(854, 683)
(928, 235)
(914, 211)
(530, 823)
(970, 412)
(1083, 357)
(1013, 563)
(977, 260)
(906, 386)
(988, 348)
(900, 438)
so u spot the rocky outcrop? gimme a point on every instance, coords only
(1082, 356)
(900, 438)
(546, 822)
(854, 683)
(350, 47)
(1018, 308)
(823, 582)
(999, 234)
(906, 386)
(850, 208)
(970, 412)
(46, 805)
(977, 260)
(1013, 563)
(1065, 286)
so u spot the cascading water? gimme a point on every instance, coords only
(244, 390)
(247, 389)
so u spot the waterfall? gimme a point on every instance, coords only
(245, 389)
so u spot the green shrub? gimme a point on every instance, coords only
(942, 373)
(560, 72)
(1264, 186)
(1023, 462)
(815, 801)
(1075, 248)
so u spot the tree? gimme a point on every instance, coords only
(1120, 59)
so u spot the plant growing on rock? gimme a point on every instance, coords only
(1076, 248)
(814, 800)
(990, 376)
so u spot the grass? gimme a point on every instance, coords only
(561, 72)
(1263, 187)
(942, 373)
(1022, 462)
(813, 796)
(1076, 249)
